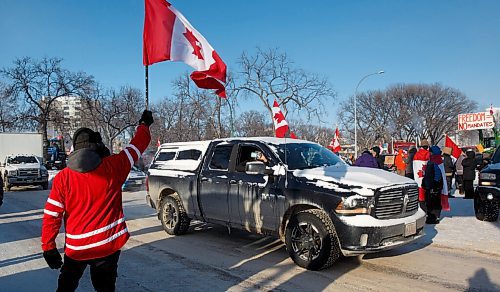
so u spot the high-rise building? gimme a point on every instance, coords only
(66, 117)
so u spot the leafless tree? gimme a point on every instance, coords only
(191, 114)
(315, 133)
(39, 83)
(405, 111)
(270, 75)
(9, 113)
(112, 112)
(253, 123)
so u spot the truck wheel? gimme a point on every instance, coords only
(45, 185)
(173, 216)
(486, 210)
(478, 208)
(311, 240)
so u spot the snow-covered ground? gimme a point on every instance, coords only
(459, 229)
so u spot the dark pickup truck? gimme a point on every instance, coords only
(487, 196)
(296, 190)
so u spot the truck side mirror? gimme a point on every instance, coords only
(255, 167)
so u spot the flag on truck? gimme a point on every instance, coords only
(280, 124)
(168, 35)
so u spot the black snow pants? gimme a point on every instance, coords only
(103, 272)
(433, 205)
(469, 189)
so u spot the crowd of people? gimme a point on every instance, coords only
(433, 170)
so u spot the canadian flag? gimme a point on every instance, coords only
(158, 144)
(169, 36)
(335, 144)
(455, 150)
(280, 124)
(419, 164)
(292, 135)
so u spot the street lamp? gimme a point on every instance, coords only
(356, 113)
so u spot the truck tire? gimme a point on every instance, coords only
(311, 240)
(173, 216)
(486, 210)
(45, 185)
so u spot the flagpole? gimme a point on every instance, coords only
(147, 86)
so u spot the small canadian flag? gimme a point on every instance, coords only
(280, 124)
(158, 143)
(335, 144)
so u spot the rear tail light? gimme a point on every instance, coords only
(147, 184)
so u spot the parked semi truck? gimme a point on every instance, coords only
(296, 190)
(21, 161)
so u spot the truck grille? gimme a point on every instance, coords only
(28, 172)
(395, 203)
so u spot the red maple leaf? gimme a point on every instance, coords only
(194, 43)
(279, 117)
(422, 171)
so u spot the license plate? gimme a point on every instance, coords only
(410, 229)
(138, 182)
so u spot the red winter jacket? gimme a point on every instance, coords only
(88, 196)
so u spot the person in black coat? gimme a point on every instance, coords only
(409, 162)
(449, 169)
(380, 160)
(1, 191)
(469, 165)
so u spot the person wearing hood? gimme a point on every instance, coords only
(87, 196)
(469, 173)
(400, 163)
(366, 160)
(376, 154)
(419, 161)
(434, 184)
(409, 162)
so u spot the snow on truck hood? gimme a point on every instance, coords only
(344, 178)
(26, 165)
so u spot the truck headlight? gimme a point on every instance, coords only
(354, 205)
(487, 176)
(12, 172)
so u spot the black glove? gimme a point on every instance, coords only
(53, 258)
(146, 118)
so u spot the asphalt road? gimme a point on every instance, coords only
(208, 258)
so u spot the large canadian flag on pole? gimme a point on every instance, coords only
(169, 36)
(280, 124)
(335, 144)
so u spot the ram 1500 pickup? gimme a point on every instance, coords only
(296, 190)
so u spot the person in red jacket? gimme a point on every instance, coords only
(87, 195)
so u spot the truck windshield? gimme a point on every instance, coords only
(307, 155)
(22, 159)
(496, 157)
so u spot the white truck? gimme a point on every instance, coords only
(21, 161)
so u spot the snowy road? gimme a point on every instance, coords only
(459, 254)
